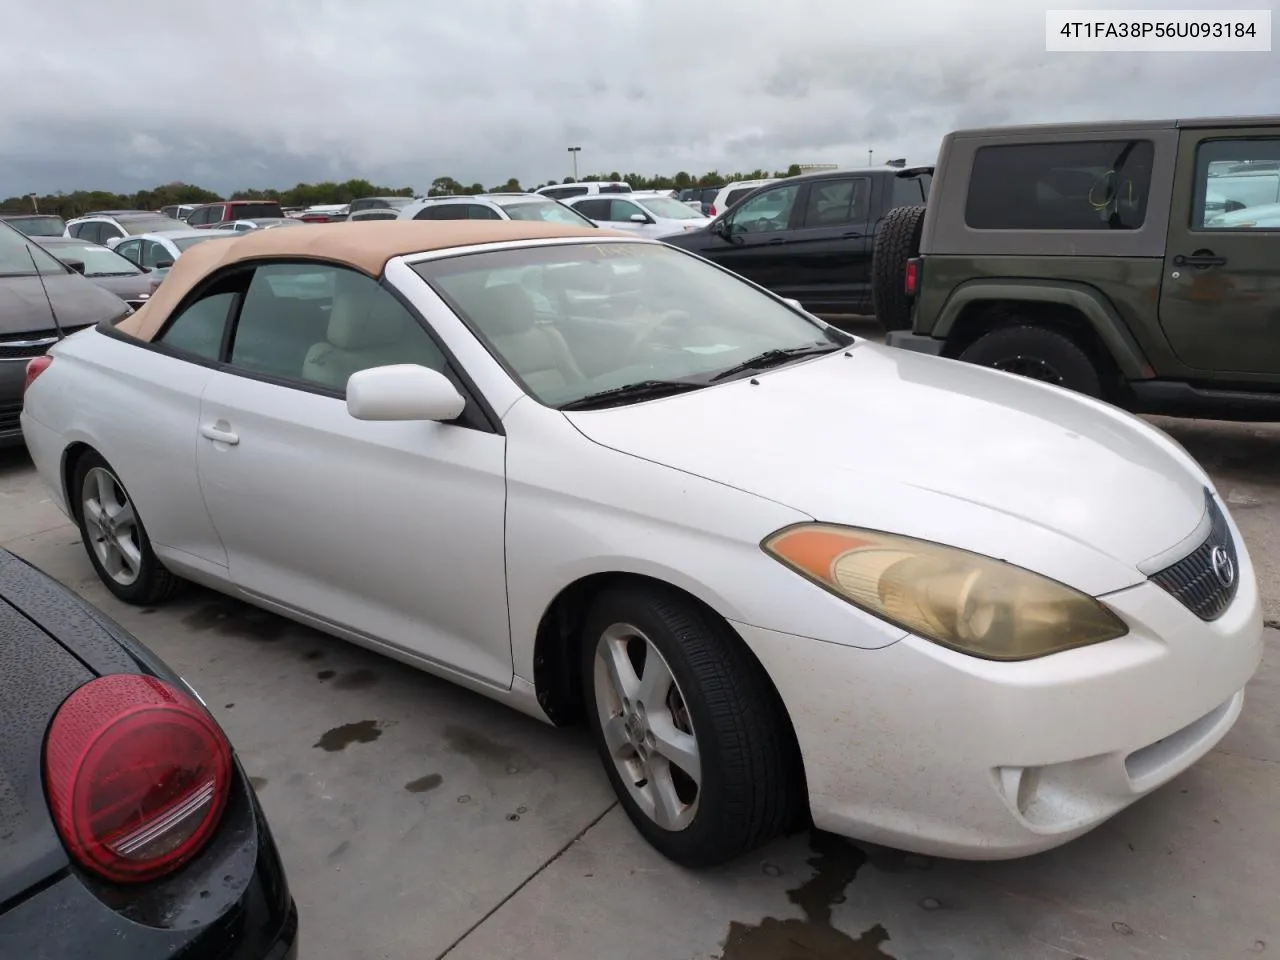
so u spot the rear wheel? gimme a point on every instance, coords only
(691, 733)
(115, 538)
(1039, 354)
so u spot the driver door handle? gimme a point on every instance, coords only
(777, 240)
(210, 432)
(1206, 259)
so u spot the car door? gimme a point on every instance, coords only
(390, 531)
(1220, 292)
(827, 259)
(620, 213)
(155, 253)
(158, 406)
(754, 236)
(594, 208)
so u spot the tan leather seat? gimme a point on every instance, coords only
(537, 352)
(367, 328)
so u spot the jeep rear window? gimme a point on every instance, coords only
(1093, 185)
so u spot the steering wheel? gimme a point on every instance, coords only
(664, 320)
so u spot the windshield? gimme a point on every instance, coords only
(137, 225)
(98, 261)
(17, 253)
(545, 210)
(571, 320)
(668, 209)
(39, 226)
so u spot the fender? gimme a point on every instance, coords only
(1087, 301)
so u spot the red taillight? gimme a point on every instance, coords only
(712, 211)
(35, 367)
(911, 277)
(137, 776)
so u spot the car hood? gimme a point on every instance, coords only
(937, 449)
(79, 303)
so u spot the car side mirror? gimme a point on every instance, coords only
(164, 264)
(76, 265)
(640, 218)
(403, 391)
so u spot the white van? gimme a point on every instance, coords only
(559, 191)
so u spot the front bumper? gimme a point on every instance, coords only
(924, 749)
(906, 340)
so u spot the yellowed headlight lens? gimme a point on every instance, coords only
(971, 603)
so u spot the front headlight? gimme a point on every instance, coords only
(974, 604)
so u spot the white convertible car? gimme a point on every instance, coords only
(784, 573)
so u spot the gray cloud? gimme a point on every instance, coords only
(228, 93)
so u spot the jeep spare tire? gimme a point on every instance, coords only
(896, 243)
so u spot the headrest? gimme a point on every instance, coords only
(360, 319)
(501, 310)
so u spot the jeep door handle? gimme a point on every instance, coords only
(210, 432)
(1198, 260)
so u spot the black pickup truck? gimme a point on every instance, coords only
(810, 237)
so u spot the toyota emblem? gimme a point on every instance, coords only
(1223, 568)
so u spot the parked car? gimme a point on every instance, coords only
(130, 827)
(732, 192)
(41, 301)
(626, 509)
(700, 198)
(258, 223)
(1089, 256)
(206, 215)
(102, 266)
(157, 252)
(494, 206)
(111, 227)
(179, 211)
(324, 213)
(36, 224)
(379, 203)
(648, 214)
(580, 188)
(810, 237)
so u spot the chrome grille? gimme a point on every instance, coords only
(1206, 580)
(9, 413)
(24, 346)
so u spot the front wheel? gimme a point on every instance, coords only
(692, 735)
(114, 537)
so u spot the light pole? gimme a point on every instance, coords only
(869, 152)
(34, 205)
(573, 152)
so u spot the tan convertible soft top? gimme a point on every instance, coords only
(363, 246)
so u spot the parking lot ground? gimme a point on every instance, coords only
(418, 820)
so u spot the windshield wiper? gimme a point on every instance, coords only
(775, 357)
(643, 389)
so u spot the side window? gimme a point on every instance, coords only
(1237, 185)
(835, 202)
(1085, 185)
(477, 211)
(109, 231)
(154, 254)
(768, 212)
(444, 211)
(620, 211)
(131, 250)
(909, 191)
(594, 208)
(321, 324)
(198, 329)
(203, 216)
(86, 231)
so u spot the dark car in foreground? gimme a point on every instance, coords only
(105, 268)
(127, 827)
(41, 301)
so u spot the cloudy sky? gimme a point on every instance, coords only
(235, 93)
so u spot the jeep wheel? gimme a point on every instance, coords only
(1039, 354)
(896, 243)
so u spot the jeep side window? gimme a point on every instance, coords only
(1074, 185)
(1237, 185)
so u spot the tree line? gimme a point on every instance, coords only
(79, 202)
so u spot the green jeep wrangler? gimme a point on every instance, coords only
(1136, 262)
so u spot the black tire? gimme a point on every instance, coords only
(751, 781)
(153, 583)
(1040, 354)
(896, 243)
